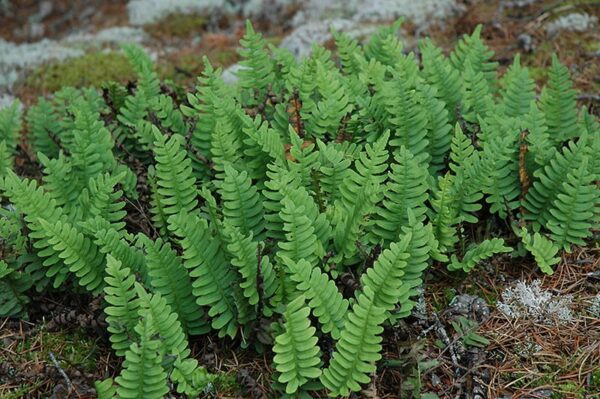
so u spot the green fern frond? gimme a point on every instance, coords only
(10, 125)
(212, 278)
(518, 90)
(176, 184)
(44, 128)
(543, 250)
(169, 277)
(65, 244)
(142, 376)
(244, 253)
(385, 277)
(358, 348)
(471, 50)
(325, 300)
(123, 304)
(573, 212)
(478, 253)
(439, 73)
(296, 350)
(257, 73)
(13, 291)
(405, 191)
(558, 103)
(242, 203)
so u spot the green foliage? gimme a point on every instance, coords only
(543, 250)
(478, 253)
(558, 103)
(296, 351)
(253, 205)
(358, 348)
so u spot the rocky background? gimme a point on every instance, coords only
(505, 331)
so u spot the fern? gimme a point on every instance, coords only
(169, 278)
(357, 349)
(477, 254)
(573, 213)
(258, 67)
(406, 191)
(518, 90)
(123, 304)
(296, 351)
(543, 250)
(212, 279)
(558, 103)
(10, 125)
(176, 185)
(142, 375)
(242, 205)
(327, 303)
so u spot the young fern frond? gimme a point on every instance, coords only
(176, 184)
(296, 350)
(405, 191)
(518, 90)
(242, 203)
(574, 212)
(325, 300)
(10, 125)
(123, 304)
(142, 376)
(543, 250)
(358, 348)
(212, 279)
(169, 278)
(478, 253)
(558, 103)
(65, 244)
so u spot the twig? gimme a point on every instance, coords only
(61, 371)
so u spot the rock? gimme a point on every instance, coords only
(229, 75)
(15, 57)
(525, 42)
(470, 306)
(579, 22)
(421, 12)
(143, 12)
(300, 41)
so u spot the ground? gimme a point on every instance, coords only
(61, 349)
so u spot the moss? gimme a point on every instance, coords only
(92, 69)
(177, 25)
(226, 385)
(72, 349)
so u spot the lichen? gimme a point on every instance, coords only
(579, 22)
(531, 302)
(143, 12)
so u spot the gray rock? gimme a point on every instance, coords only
(579, 22)
(470, 306)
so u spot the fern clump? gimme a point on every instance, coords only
(253, 204)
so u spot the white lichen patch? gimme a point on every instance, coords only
(594, 308)
(6, 100)
(579, 22)
(531, 302)
(16, 57)
(300, 41)
(116, 34)
(421, 12)
(143, 12)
